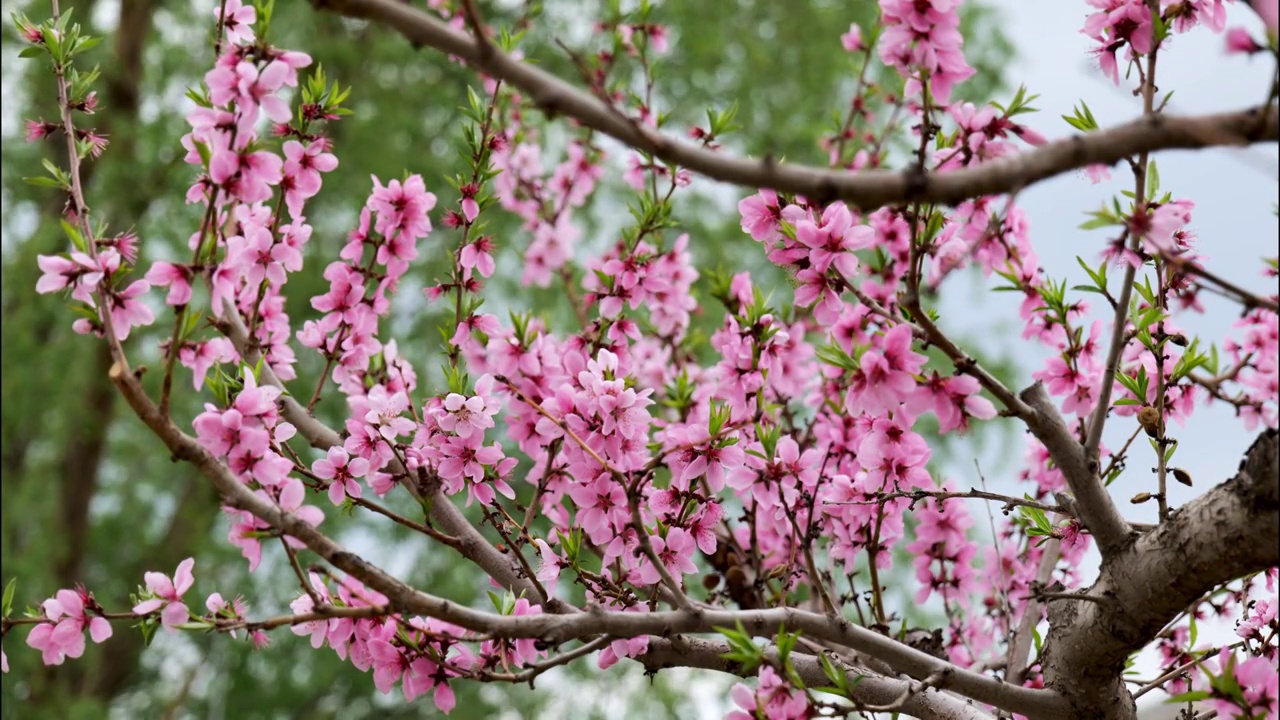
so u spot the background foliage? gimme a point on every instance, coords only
(88, 497)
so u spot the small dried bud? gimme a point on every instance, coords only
(1149, 419)
(736, 577)
(1182, 476)
(926, 641)
(1140, 498)
(710, 581)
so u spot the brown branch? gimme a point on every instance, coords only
(1248, 299)
(1020, 644)
(1093, 440)
(867, 687)
(1009, 501)
(555, 629)
(1227, 533)
(866, 189)
(468, 541)
(1093, 503)
(534, 670)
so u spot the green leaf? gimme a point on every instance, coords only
(9, 589)
(1083, 119)
(74, 236)
(505, 604)
(837, 678)
(86, 44)
(742, 649)
(43, 182)
(203, 150)
(719, 416)
(1040, 525)
(189, 324)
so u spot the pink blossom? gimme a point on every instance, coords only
(601, 505)
(466, 457)
(1269, 11)
(832, 242)
(1239, 40)
(761, 215)
(79, 272)
(202, 356)
(402, 208)
(549, 568)
(675, 552)
(68, 616)
(127, 310)
(466, 415)
(1118, 24)
(478, 255)
(306, 603)
(818, 290)
(774, 699)
(163, 592)
(924, 38)
(341, 470)
(301, 172)
(176, 277)
(852, 41)
(237, 21)
(889, 368)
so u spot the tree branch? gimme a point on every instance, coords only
(871, 688)
(556, 629)
(469, 542)
(1016, 660)
(865, 189)
(1033, 407)
(1093, 502)
(1228, 532)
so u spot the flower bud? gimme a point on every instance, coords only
(1149, 419)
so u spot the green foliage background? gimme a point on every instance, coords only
(89, 496)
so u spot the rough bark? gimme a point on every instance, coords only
(1231, 531)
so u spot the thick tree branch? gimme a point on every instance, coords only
(555, 629)
(1020, 644)
(1228, 532)
(1093, 503)
(871, 688)
(866, 189)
